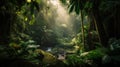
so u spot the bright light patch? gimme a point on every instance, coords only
(54, 2)
(28, 1)
(64, 25)
(76, 46)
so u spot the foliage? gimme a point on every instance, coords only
(3, 54)
(87, 59)
(80, 5)
(20, 27)
(24, 50)
(114, 52)
(30, 52)
(27, 51)
(114, 44)
(42, 36)
(92, 40)
(74, 61)
(42, 30)
(94, 54)
(16, 13)
(96, 10)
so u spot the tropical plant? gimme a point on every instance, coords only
(112, 56)
(96, 11)
(24, 50)
(13, 17)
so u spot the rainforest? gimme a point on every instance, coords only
(59, 33)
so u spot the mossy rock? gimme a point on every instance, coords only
(48, 57)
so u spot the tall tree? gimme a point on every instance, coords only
(9, 10)
(106, 21)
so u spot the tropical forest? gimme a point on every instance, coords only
(59, 33)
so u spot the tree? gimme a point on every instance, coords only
(104, 19)
(9, 11)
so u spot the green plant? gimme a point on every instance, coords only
(94, 54)
(113, 55)
(26, 50)
(75, 61)
(94, 57)
(114, 46)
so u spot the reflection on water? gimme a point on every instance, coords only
(49, 49)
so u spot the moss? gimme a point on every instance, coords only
(48, 57)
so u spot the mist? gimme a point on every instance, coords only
(55, 27)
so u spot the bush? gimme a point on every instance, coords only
(76, 61)
(112, 57)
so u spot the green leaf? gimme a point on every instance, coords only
(72, 6)
(77, 8)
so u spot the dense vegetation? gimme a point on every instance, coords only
(59, 33)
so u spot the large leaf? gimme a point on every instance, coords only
(71, 8)
(77, 8)
(77, 5)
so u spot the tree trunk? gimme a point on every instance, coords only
(4, 28)
(82, 29)
(99, 25)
